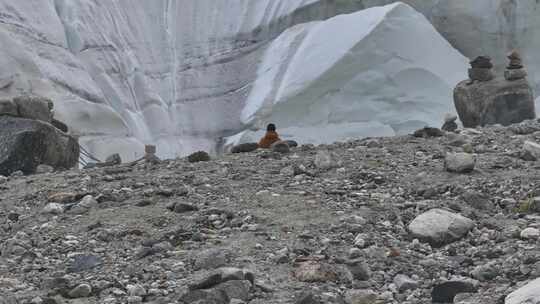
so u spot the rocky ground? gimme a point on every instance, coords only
(368, 221)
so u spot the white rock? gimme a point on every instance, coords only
(530, 233)
(136, 290)
(439, 227)
(53, 208)
(529, 293)
(532, 148)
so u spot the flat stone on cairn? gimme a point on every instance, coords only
(481, 69)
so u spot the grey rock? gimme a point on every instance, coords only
(445, 292)
(34, 107)
(245, 148)
(459, 162)
(211, 259)
(324, 160)
(530, 151)
(236, 289)
(404, 283)
(81, 291)
(184, 207)
(41, 169)
(359, 269)
(113, 160)
(306, 297)
(530, 234)
(3, 179)
(312, 271)
(494, 102)
(481, 74)
(280, 147)
(449, 126)
(428, 132)
(136, 290)
(25, 144)
(527, 294)
(84, 262)
(8, 107)
(211, 296)
(440, 227)
(205, 280)
(53, 208)
(60, 125)
(476, 200)
(515, 74)
(486, 272)
(200, 156)
(7, 299)
(361, 296)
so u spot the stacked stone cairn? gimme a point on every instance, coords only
(515, 71)
(481, 69)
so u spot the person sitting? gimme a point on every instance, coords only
(269, 138)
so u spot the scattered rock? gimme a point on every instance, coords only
(81, 291)
(440, 227)
(361, 296)
(113, 160)
(53, 208)
(211, 259)
(404, 283)
(280, 147)
(42, 169)
(184, 207)
(359, 269)
(200, 156)
(236, 289)
(324, 160)
(530, 151)
(530, 234)
(428, 132)
(245, 148)
(84, 262)
(459, 162)
(446, 292)
(312, 271)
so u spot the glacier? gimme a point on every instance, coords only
(186, 74)
(376, 80)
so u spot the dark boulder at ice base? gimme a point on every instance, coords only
(497, 101)
(25, 144)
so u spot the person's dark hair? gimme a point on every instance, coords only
(271, 127)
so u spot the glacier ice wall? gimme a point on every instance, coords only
(178, 73)
(319, 86)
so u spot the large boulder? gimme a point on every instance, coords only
(529, 293)
(26, 144)
(34, 107)
(440, 227)
(494, 102)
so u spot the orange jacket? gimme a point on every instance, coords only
(268, 139)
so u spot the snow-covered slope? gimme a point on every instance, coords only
(179, 73)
